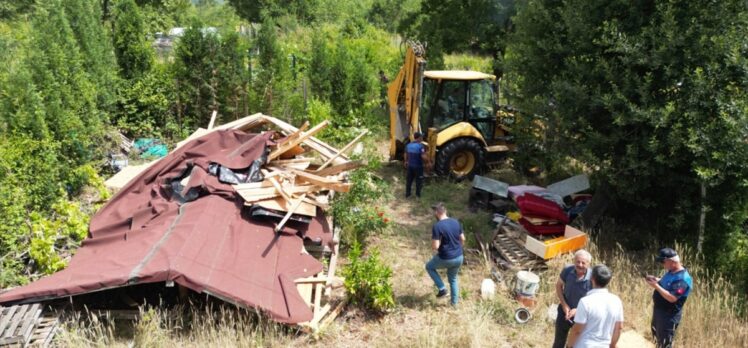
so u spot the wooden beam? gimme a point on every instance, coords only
(212, 119)
(333, 259)
(262, 193)
(334, 185)
(296, 140)
(347, 166)
(343, 150)
(281, 204)
(321, 147)
(290, 212)
(293, 135)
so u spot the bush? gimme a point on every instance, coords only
(368, 280)
(353, 211)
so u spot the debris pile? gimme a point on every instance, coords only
(532, 220)
(235, 212)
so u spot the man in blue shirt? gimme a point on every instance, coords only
(573, 283)
(415, 158)
(446, 240)
(670, 294)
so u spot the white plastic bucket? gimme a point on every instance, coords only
(527, 283)
(487, 289)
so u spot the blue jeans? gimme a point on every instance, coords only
(452, 266)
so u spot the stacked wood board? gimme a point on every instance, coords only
(24, 325)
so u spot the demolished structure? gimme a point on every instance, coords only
(231, 212)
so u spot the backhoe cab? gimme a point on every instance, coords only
(457, 110)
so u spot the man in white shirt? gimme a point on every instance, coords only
(599, 316)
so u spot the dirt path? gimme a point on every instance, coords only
(420, 319)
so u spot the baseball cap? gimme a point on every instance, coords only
(666, 253)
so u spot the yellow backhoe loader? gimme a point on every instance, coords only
(457, 111)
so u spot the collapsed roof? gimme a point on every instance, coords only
(180, 220)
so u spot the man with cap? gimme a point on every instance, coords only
(415, 158)
(670, 293)
(446, 241)
(572, 285)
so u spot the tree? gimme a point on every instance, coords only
(480, 26)
(254, 10)
(9, 9)
(195, 69)
(95, 48)
(69, 96)
(654, 95)
(133, 52)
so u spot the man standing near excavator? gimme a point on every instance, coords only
(416, 158)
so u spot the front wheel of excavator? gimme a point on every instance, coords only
(460, 159)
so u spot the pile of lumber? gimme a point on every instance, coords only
(296, 180)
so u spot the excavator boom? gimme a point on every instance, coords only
(403, 96)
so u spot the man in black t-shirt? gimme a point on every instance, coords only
(446, 240)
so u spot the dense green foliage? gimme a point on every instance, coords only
(652, 95)
(368, 280)
(133, 54)
(648, 96)
(457, 26)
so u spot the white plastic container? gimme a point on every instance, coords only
(487, 289)
(527, 283)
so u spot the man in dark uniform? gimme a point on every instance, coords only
(670, 293)
(415, 159)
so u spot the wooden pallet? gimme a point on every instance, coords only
(45, 330)
(514, 253)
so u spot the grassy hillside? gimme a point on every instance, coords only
(711, 317)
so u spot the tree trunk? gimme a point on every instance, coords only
(702, 218)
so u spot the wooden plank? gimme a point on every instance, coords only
(296, 140)
(344, 149)
(294, 135)
(334, 185)
(7, 314)
(305, 290)
(281, 204)
(321, 147)
(334, 314)
(15, 321)
(318, 288)
(347, 166)
(290, 212)
(276, 184)
(32, 318)
(319, 315)
(320, 279)
(255, 119)
(333, 258)
(212, 119)
(258, 194)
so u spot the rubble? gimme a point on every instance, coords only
(227, 213)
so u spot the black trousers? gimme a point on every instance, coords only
(414, 173)
(664, 325)
(562, 329)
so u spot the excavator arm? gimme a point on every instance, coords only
(404, 97)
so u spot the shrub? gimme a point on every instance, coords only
(353, 211)
(368, 280)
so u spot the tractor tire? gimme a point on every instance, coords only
(460, 159)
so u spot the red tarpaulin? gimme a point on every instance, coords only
(144, 235)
